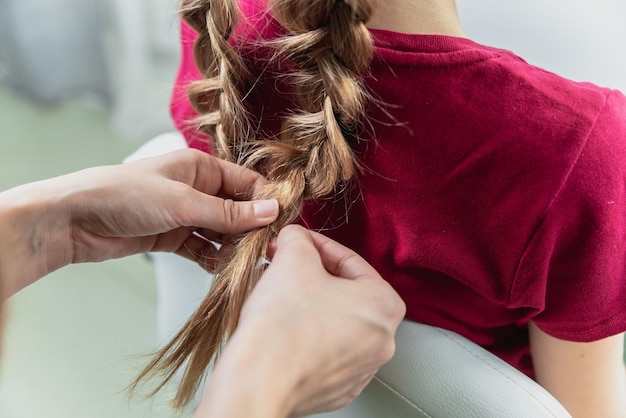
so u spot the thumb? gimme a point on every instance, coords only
(294, 245)
(229, 217)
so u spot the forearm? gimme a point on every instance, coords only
(34, 235)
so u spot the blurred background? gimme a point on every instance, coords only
(86, 82)
(82, 83)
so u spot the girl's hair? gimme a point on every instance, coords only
(328, 46)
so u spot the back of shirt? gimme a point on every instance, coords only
(492, 191)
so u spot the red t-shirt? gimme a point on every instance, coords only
(494, 192)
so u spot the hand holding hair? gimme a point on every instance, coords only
(170, 203)
(313, 332)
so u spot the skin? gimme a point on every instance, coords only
(293, 352)
(437, 17)
(587, 378)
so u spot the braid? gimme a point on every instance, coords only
(218, 97)
(329, 44)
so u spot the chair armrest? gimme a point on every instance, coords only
(438, 373)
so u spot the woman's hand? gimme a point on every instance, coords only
(156, 204)
(314, 331)
(172, 203)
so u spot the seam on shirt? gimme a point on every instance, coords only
(582, 336)
(439, 66)
(556, 195)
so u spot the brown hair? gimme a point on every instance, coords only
(329, 46)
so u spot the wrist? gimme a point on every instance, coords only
(34, 235)
(250, 379)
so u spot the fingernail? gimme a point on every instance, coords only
(265, 208)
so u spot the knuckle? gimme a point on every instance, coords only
(342, 402)
(399, 309)
(392, 307)
(345, 261)
(231, 212)
(190, 157)
(195, 156)
(183, 212)
(293, 237)
(388, 351)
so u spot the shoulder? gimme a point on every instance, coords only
(572, 277)
(567, 128)
(547, 95)
(551, 89)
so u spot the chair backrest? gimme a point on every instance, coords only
(438, 373)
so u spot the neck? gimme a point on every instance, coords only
(436, 17)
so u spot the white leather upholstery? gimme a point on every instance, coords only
(438, 373)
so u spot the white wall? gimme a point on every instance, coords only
(123, 53)
(584, 40)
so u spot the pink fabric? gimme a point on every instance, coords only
(180, 109)
(494, 192)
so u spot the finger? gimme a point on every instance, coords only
(200, 250)
(214, 175)
(225, 216)
(293, 237)
(272, 247)
(205, 173)
(238, 181)
(342, 261)
(294, 245)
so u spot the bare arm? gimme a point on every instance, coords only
(589, 379)
(157, 204)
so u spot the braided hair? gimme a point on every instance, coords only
(329, 46)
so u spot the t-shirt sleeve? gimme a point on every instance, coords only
(572, 276)
(181, 110)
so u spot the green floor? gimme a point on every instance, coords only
(75, 339)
